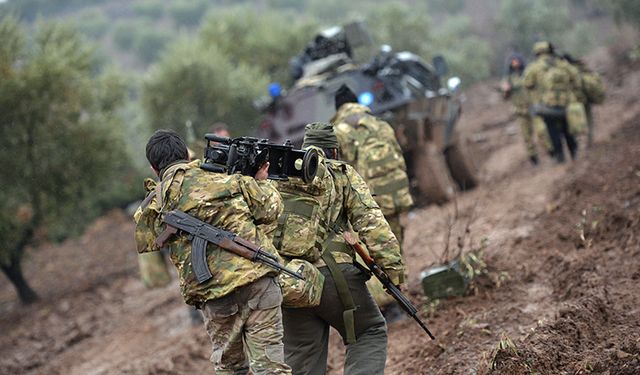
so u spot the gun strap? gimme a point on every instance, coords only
(345, 296)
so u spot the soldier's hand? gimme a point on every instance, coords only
(263, 172)
(395, 276)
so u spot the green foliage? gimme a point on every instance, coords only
(92, 22)
(624, 10)
(197, 82)
(150, 42)
(30, 9)
(124, 34)
(448, 6)
(152, 9)
(265, 40)
(523, 22)
(59, 126)
(188, 12)
(142, 38)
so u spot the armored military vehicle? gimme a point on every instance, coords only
(398, 87)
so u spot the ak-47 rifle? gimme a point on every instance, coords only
(202, 233)
(373, 269)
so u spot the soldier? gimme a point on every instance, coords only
(347, 205)
(552, 85)
(513, 89)
(241, 302)
(591, 91)
(370, 146)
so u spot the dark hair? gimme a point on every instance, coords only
(165, 147)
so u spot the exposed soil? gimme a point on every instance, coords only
(561, 296)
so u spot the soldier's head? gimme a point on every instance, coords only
(543, 48)
(221, 129)
(344, 95)
(322, 135)
(165, 147)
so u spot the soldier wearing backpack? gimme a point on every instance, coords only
(552, 84)
(309, 233)
(591, 91)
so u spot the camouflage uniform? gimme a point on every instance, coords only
(241, 302)
(381, 165)
(520, 100)
(307, 329)
(384, 172)
(549, 98)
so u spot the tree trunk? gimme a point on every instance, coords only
(14, 274)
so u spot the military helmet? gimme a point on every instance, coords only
(542, 47)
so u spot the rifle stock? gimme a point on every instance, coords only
(392, 289)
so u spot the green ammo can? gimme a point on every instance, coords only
(444, 281)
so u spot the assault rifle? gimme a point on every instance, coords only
(373, 269)
(202, 233)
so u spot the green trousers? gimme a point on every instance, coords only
(306, 330)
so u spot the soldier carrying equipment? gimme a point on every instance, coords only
(373, 269)
(203, 233)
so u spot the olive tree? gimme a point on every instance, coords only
(59, 150)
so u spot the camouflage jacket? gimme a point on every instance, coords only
(556, 91)
(354, 208)
(235, 203)
(370, 146)
(344, 203)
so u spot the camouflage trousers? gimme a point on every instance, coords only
(246, 330)
(533, 129)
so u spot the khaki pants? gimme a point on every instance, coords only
(246, 330)
(306, 336)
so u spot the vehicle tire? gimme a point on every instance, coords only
(461, 163)
(432, 175)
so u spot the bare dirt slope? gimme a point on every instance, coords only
(562, 244)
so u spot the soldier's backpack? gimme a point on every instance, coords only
(382, 166)
(556, 84)
(301, 227)
(593, 87)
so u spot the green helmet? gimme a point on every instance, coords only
(542, 47)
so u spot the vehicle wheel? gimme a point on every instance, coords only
(461, 163)
(432, 175)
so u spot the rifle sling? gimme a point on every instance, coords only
(345, 296)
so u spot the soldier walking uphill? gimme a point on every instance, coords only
(513, 89)
(552, 83)
(241, 301)
(370, 146)
(337, 200)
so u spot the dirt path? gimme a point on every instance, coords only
(568, 305)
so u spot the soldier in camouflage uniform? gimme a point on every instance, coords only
(370, 146)
(552, 84)
(241, 302)
(360, 323)
(513, 89)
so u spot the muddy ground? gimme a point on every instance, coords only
(560, 296)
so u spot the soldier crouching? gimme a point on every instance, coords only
(241, 301)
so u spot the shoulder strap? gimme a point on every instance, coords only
(345, 296)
